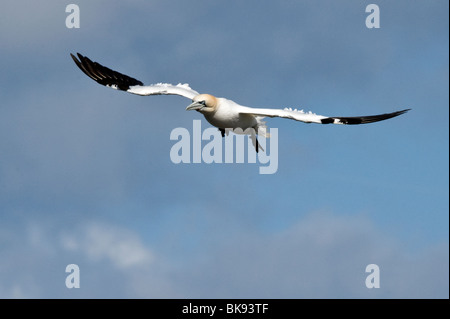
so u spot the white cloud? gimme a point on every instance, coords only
(121, 247)
(320, 256)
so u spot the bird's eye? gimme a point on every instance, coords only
(203, 102)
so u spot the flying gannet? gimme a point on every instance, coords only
(219, 112)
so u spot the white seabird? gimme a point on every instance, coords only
(220, 112)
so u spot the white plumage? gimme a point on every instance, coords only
(219, 112)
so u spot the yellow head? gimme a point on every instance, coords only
(203, 103)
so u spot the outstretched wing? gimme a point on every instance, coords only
(362, 119)
(309, 117)
(119, 81)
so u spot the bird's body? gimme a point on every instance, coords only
(226, 114)
(219, 112)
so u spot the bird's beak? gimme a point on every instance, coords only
(195, 106)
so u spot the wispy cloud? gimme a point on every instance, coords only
(320, 256)
(121, 248)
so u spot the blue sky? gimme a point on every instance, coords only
(86, 176)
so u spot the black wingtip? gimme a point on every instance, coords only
(75, 59)
(104, 75)
(362, 119)
(328, 120)
(404, 111)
